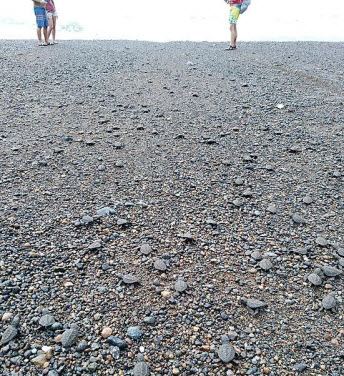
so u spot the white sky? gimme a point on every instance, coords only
(163, 20)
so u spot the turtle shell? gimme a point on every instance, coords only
(255, 303)
(9, 334)
(46, 320)
(130, 279)
(329, 302)
(146, 249)
(69, 337)
(226, 352)
(180, 285)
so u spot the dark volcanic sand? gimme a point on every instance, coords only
(160, 133)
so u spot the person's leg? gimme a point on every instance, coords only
(51, 27)
(234, 34)
(54, 29)
(45, 33)
(39, 35)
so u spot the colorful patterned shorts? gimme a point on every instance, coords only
(41, 17)
(235, 13)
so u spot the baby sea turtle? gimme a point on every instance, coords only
(160, 265)
(146, 249)
(141, 368)
(329, 302)
(330, 271)
(265, 264)
(70, 336)
(11, 331)
(226, 352)
(47, 320)
(128, 279)
(255, 303)
(180, 285)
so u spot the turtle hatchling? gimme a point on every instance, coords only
(70, 336)
(315, 279)
(265, 264)
(146, 249)
(141, 368)
(11, 332)
(47, 320)
(226, 352)
(180, 285)
(330, 271)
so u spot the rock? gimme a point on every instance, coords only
(141, 367)
(329, 302)
(314, 279)
(122, 222)
(239, 181)
(301, 250)
(115, 352)
(307, 200)
(255, 304)
(145, 249)
(265, 264)
(69, 337)
(238, 202)
(166, 294)
(95, 245)
(6, 316)
(118, 342)
(331, 271)
(82, 346)
(47, 320)
(321, 241)
(300, 367)
(105, 211)
(160, 265)
(180, 285)
(106, 332)
(40, 360)
(134, 332)
(226, 352)
(129, 279)
(298, 219)
(272, 209)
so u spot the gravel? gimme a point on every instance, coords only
(218, 161)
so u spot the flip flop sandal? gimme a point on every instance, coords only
(51, 44)
(230, 48)
(42, 45)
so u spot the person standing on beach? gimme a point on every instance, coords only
(235, 8)
(52, 17)
(41, 20)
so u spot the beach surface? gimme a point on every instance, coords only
(155, 197)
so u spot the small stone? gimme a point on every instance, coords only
(314, 279)
(298, 219)
(321, 241)
(175, 371)
(265, 264)
(105, 211)
(40, 360)
(238, 202)
(300, 367)
(118, 342)
(122, 222)
(307, 200)
(256, 255)
(134, 332)
(47, 320)
(272, 209)
(141, 368)
(160, 265)
(95, 245)
(6, 316)
(129, 279)
(68, 284)
(69, 337)
(166, 294)
(106, 332)
(239, 181)
(145, 249)
(115, 352)
(329, 302)
(180, 285)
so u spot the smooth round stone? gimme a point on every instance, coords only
(82, 346)
(314, 279)
(238, 202)
(6, 316)
(160, 265)
(134, 332)
(145, 249)
(115, 341)
(180, 285)
(307, 200)
(106, 332)
(329, 302)
(265, 264)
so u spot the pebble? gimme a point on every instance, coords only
(160, 265)
(329, 302)
(134, 332)
(106, 332)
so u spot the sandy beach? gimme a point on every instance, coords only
(157, 196)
